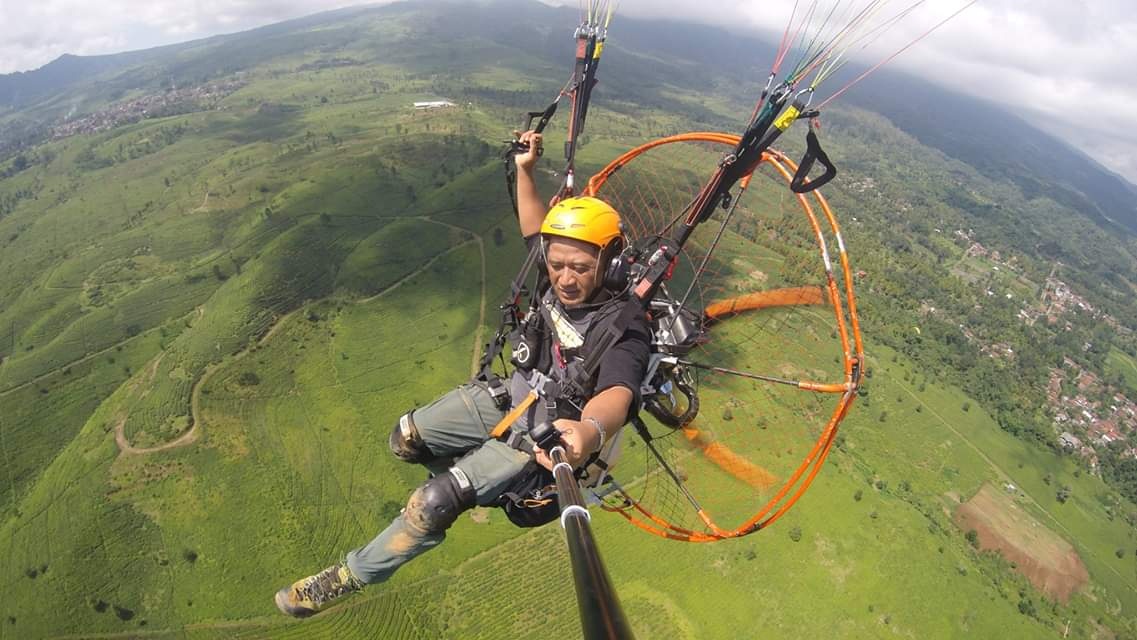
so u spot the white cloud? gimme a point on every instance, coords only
(36, 33)
(1067, 67)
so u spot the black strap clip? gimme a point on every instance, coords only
(498, 391)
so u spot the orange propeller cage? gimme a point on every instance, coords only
(733, 309)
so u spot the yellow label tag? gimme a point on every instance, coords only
(599, 48)
(787, 118)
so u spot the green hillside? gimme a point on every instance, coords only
(212, 315)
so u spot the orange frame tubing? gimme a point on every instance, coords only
(804, 475)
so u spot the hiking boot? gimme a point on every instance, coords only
(309, 595)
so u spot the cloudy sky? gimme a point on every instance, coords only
(1064, 65)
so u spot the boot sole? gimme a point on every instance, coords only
(281, 600)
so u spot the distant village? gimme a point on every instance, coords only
(1084, 410)
(172, 102)
(167, 103)
(1084, 420)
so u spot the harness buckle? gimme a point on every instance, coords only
(499, 392)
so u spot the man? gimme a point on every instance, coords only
(580, 241)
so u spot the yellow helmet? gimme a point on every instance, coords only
(586, 219)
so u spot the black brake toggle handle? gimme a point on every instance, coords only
(813, 152)
(542, 118)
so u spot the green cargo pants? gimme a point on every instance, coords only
(456, 428)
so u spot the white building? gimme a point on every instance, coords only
(1069, 440)
(433, 104)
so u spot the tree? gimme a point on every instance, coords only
(972, 537)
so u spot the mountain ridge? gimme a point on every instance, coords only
(978, 132)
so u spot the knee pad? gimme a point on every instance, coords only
(406, 443)
(435, 505)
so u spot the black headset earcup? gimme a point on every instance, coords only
(616, 275)
(617, 269)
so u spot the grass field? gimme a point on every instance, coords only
(209, 323)
(1121, 364)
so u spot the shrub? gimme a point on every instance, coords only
(1063, 494)
(123, 613)
(248, 379)
(972, 537)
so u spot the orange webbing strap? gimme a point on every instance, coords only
(513, 415)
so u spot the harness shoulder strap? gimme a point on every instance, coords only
(611, 332)
(510, 313)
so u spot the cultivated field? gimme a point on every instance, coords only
(1048, 561)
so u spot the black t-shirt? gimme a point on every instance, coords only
(625, 363)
